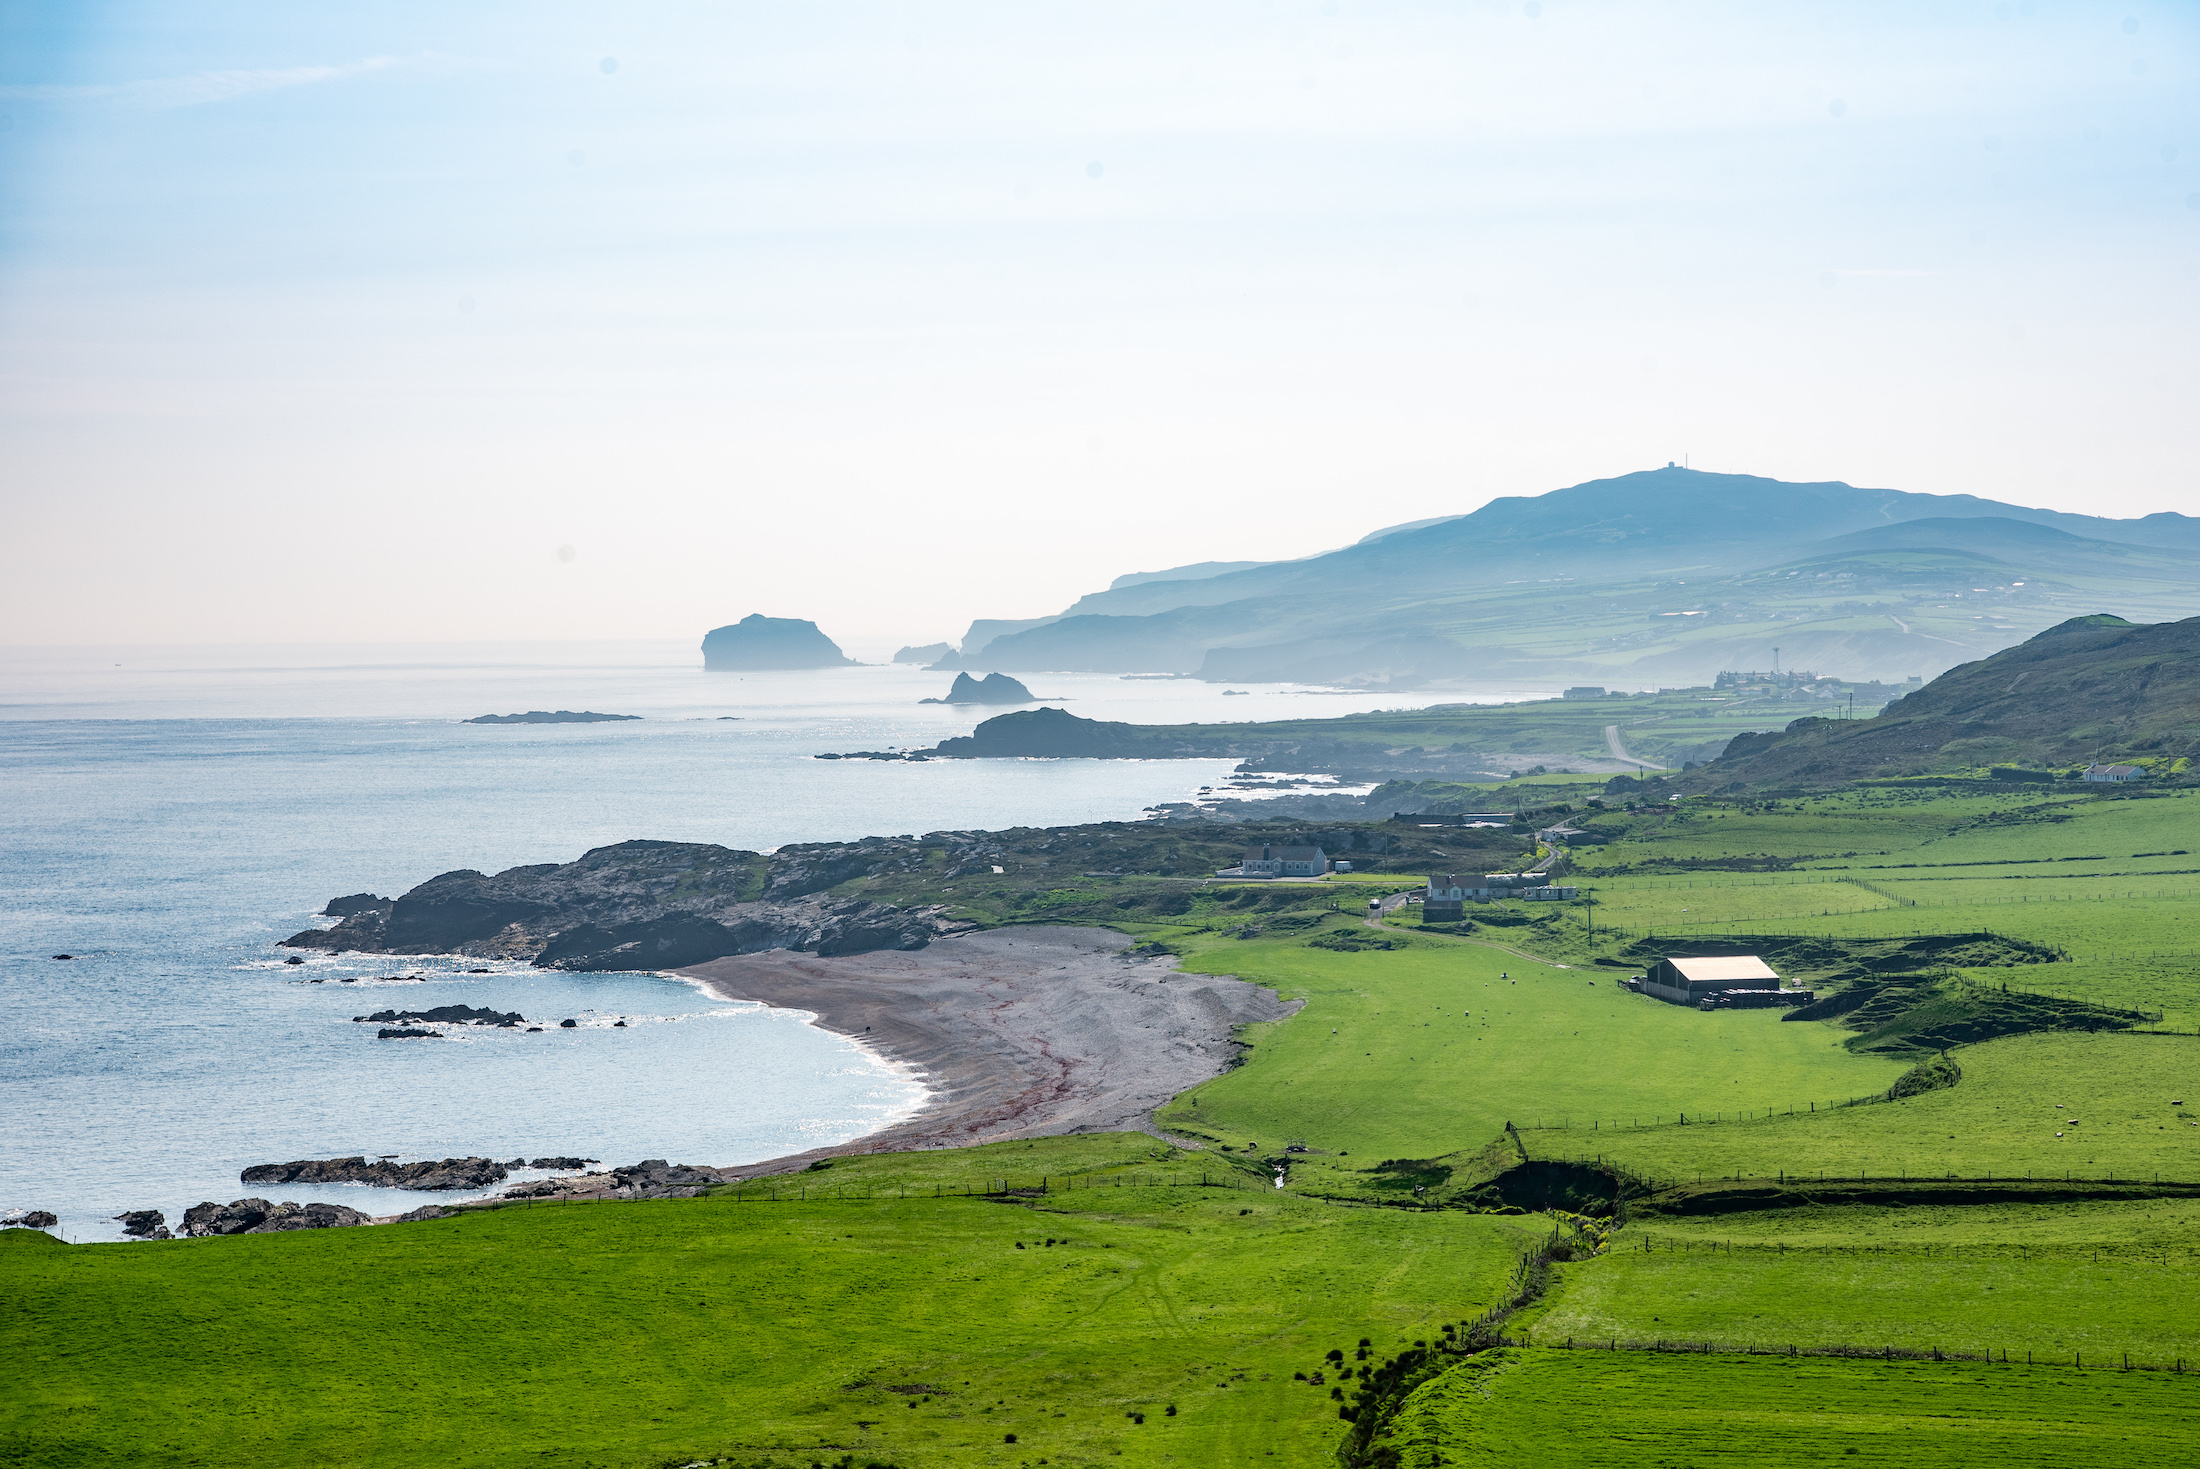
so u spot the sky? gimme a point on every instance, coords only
(415, 321)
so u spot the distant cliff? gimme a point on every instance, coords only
(994, 688)
(550, 716)
(760, 642)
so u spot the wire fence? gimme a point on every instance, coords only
(2112, 1361)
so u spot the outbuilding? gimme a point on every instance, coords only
(1691, 981)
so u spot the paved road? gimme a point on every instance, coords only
(1619, 750)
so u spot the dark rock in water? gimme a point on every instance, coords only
(561, 1163)
(444, 1015)
(309, 1216)
(760, 642)
(64, 956)
(356, 903)
(534, 1030)
(515, 1163)
(407, 1034)
(618, 1025)
(425, 1211)
(294, 959)
(235, 1217)
(655, 1178)
(29, 1219)
(994, 688)
(445, 1173)
(550, 716)
(569, 1025)
(929, 653)
(142, 1222)
(646, 905)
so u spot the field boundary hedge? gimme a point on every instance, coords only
(2119, 1362)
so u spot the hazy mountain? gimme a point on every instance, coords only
(1664, 576)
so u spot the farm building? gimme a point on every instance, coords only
(1447, 894)
(2116, 774)
(1742, 979)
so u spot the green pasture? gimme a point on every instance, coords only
(1593, 1409)
(1429, 1049)
(1949, 1290)
(910, 1332)
(2010, 1117)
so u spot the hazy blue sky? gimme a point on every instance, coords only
(341, 321)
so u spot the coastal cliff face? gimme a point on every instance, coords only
(642, 905)
(760, 642)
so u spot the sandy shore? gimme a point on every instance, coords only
(1019, 1032)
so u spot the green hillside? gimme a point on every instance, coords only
(2091, 689)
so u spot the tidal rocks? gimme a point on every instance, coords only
(28, 1219)
(561, 1164)
(355, 904)
(407, 1033)
(550, 716)
(140, 1223)
(239, 1216)
(425, 1211)
(760, 642)
(444, 1015)
(994, 688)
(655, 1178)
(309, 1216)
(644, 905)
(427, 1176)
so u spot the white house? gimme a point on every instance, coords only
(2116, 773)
(1447, 894)
(1267, 861)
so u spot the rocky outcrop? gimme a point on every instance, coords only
(309, 1216)
(239, 1216)
(994, 688)
(644, 905)
(143, 1223)
(444, 1173)
(760, 642)
(425, 1211)
(928, 653)
(561, 1163)
(654, 1178)
(356, 904)
(445, 1015)
(550, 716)
(407, 1033)
(28, 1219)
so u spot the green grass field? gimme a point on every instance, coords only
(1427, 1050)
(1595, 1409)
(1963, 1285)
(907, 1332)
(2004, 1118)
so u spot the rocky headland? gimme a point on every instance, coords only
(641, 905)
(428, 1175)
(760, 642)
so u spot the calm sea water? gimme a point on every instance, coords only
(171, 813)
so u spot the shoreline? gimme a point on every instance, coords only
(1013, 1032)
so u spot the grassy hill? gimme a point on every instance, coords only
(2090, 689)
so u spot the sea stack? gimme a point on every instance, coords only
(994, 688)
(760, 642)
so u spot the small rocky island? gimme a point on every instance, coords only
(994, 688)
(550, 716)
(637, 905)
(926, 653)
(758, 642)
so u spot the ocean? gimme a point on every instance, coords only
(171, 813)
